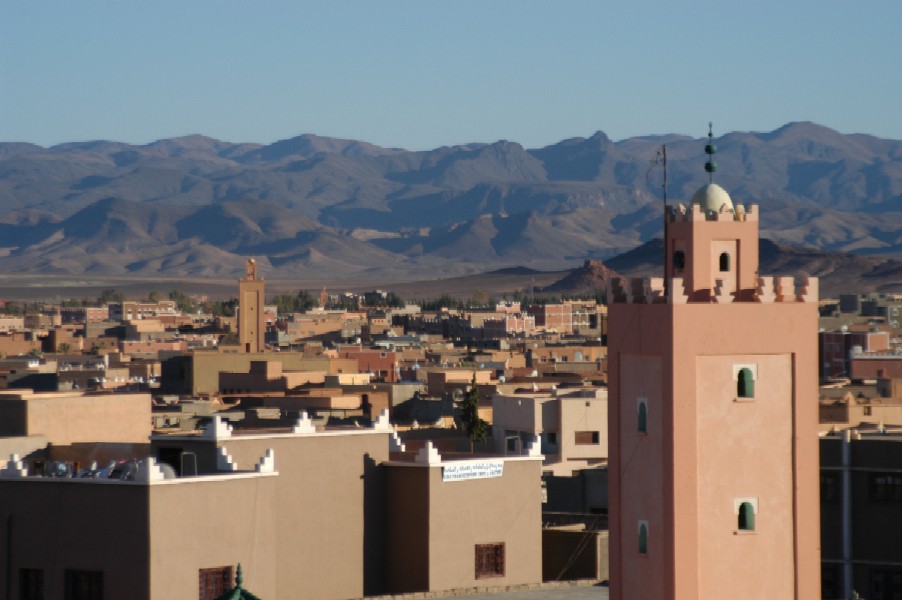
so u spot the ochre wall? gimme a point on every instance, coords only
(504, 509)
(202, 524)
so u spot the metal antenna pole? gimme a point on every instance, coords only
(664, 160)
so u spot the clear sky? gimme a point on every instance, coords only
(420, 74)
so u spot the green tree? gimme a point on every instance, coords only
(182, 301)
(475, 428)
(229, 339)
(154, 296)
(221, 308)
(110, 295)
(286, 303)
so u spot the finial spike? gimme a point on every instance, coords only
(710, 150)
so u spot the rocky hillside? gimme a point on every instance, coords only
(312, 206)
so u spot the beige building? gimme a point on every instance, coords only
(309, 514)
(68, 418)
(572, 425)
(444, 516)
(197, 374)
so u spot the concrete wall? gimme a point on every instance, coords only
(206, 366)
(215, 523)
(56, 525)
(434, 526)
(330, 534)
(70, 418)
(483, 511)
(574, 555)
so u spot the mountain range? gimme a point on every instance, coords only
(313, 206)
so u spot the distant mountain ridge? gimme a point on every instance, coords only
(310, 204)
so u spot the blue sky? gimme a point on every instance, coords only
(426, 73)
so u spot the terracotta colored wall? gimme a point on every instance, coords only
(646, 492)
(869, 368)
(638, 334)
(743, 450)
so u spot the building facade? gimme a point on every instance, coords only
(713, 419)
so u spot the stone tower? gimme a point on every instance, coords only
(251, 325)
(713, 471)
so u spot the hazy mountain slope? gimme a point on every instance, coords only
(312, 202)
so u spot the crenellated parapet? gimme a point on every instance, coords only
(681, 213)
(651, 290)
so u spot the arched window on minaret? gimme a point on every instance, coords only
(745, 384)
(642, 408)
(746, 517)
(643, 537)
(679, 261)
(724, 262)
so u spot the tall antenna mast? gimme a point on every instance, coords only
(664, 161)
(664, 186)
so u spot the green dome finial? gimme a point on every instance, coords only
(710, 150)
(239, 576)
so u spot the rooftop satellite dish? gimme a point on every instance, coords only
(168, 471)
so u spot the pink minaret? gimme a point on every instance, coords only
(713, 468)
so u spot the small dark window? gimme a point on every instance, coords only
(31, 584)
(746, 517)
(489, 560)
(745, 384)
(885, 487)
(829, 488)
(830, 581)
(582, 438)
(83, 585)
(214, 582)
(724, 262)
(643, 538)
(679, 261)
(643, 418)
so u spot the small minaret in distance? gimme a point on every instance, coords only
(251, 326)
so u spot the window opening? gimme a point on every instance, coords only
(582, 438)
(746, 517)
(643, 416)
(31, 584)
(745, 384)
(489, 560)
(83, 585)
(679, 261)
(643, 537)
(724, 262)
(214, 582)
